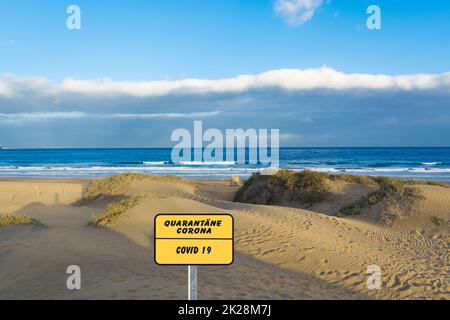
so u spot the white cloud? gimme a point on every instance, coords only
(39, 116)
(296, 12)
(12, 86)
(4, 90)
(305, 105)
(165, 115)
(18, 118)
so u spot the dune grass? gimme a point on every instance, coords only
(310, 187)
(390, 190)
(17, 219)
(116, 188)
(118, 185)
(352, 178)
(285, 185)
(370, 180)
(427, 183)
(115, 211)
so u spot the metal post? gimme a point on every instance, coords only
(192, 282)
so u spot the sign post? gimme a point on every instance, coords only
(192, 240)
(192, 282)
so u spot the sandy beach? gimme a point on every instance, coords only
(281, 252)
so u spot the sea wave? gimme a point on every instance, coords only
(193, 171)
(207, 163)
(143, 162)
(431, 163)
(124, 169)
(379, 170)
(156, 162)
(191, 167)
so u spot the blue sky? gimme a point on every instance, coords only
(135, 42)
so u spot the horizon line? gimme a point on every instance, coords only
(3, 148)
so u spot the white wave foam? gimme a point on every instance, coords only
(186, 170)
(377, 170)
(324, 169)
(155, 162)
(386, 170)
(207, 163)
(123, 169)
(430, 163)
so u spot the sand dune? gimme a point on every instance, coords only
(281, 252)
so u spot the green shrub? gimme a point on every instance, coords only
(354, 208)
(305, 186)
(308, 186)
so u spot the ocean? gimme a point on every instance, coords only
(419, 163)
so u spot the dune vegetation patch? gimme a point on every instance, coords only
(290, 188)
(17, 219)
(391, 191)
(118, 185)
(115, 211)
(284, 186)
(352, 178)
(427, 183)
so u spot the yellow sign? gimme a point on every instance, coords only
(194, 239)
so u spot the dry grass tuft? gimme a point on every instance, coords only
(428, 183)
(115, 211)
(353, 178)
(16, 219)
(119, 184)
